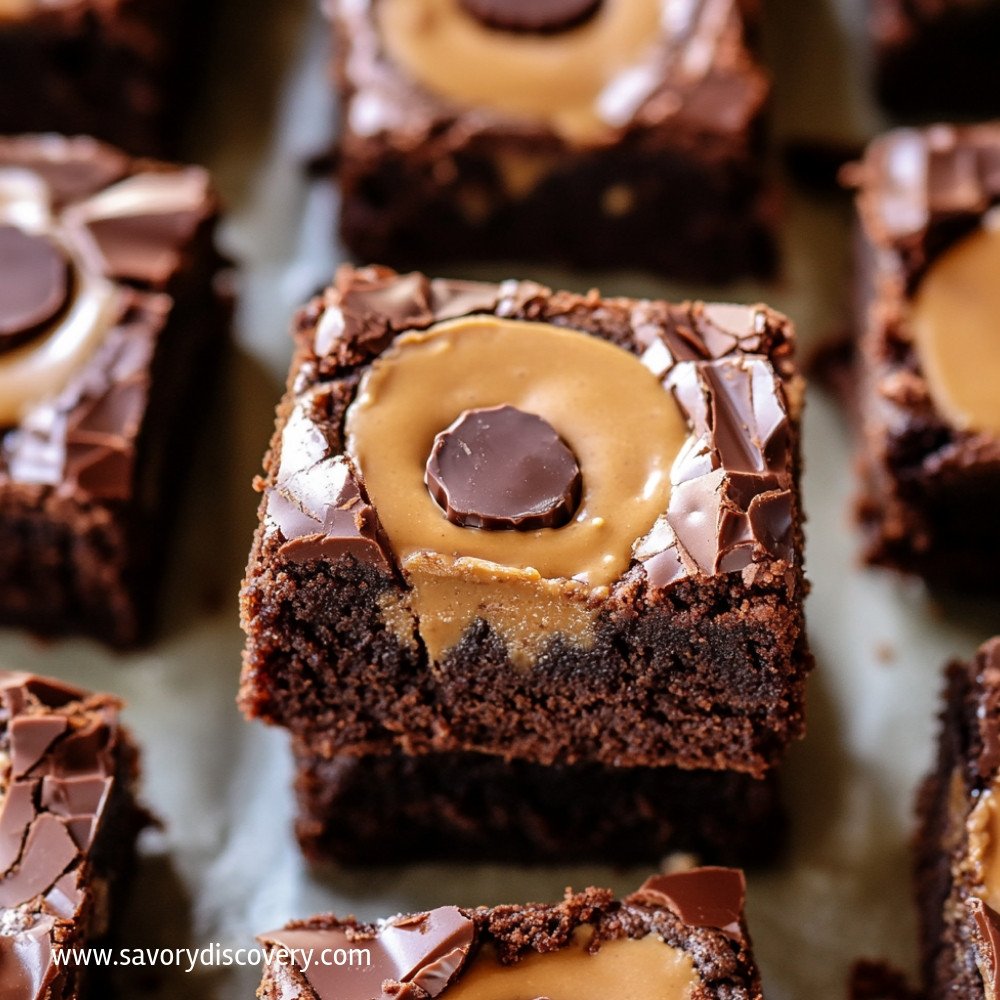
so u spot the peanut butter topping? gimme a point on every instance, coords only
(420, 385)
(574, 79)
(957, 330)
(637, 968)
(983, 827)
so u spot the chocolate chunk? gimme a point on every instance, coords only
(503, 469)
(323, 513)
(424, 951)
(701, 897)
(34, 284)
(532, 16)
(988, 940)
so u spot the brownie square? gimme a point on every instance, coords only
(398, 809)
(928, 360)
(110, 322)
(679, 935)
(68, 824)
(937, 58)
(596, 134)
(957, 873)
(661, 624)
(119, 71)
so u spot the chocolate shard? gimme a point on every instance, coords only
(35, 283)
(502, 469)
(322, 512)
(532, 16)
(987, 940)
(410, 957)
(701, 897)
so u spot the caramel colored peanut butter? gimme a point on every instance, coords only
(576, 80)
(983, 827)
(623, 427)
(955, 320)
(637, 968)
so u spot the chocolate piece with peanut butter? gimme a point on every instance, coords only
(646, 946)
(660, 623)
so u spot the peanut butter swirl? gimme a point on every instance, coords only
(956, 329)
(426, 380)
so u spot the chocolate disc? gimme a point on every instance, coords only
(532, 16)
(503, 469)
(34, 284)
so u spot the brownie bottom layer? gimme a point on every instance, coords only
(397, 808)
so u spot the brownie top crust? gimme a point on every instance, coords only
(93, 245)
(679, 936)
(680, 418)
(584, 72)
(61, 752)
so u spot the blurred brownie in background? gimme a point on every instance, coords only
(928, 302)
(68, 825)
(110, 324)
(958, 841)
(116, 69)
(938, 58)
(597, 133)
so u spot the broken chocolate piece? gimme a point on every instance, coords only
(532, 16)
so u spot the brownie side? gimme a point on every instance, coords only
(70, 823)
(928, 489)
(704, 671)
(89, 477)
(396, 809)
(937, 58)
(722, 958)
(108, 68)
(679, 188)
(945, 881)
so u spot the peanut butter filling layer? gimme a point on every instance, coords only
(983, 827)
(637, 968)
(623, 427)
(581, 81)
(955, 320)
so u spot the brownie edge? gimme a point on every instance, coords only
(694, 916)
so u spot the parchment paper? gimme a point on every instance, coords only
(225, 865)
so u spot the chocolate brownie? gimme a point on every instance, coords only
(68, 823)
(608, 133)
(680, 935)
(395, 809)
(662, 625)
(109, 323)
(929, 358)
(937, 58)
(116, 69)
(958, 842)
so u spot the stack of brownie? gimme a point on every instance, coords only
(511, 609)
